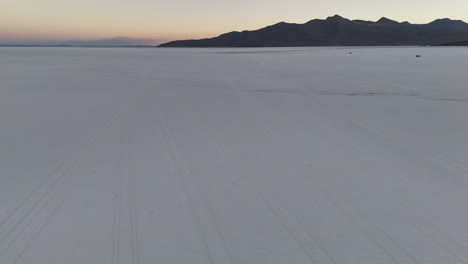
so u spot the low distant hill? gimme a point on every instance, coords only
(112, 42)
(339, 31)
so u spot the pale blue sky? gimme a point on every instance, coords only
(45, 20)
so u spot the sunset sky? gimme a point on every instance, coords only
(42, 21)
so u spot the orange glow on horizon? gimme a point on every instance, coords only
(57, 20)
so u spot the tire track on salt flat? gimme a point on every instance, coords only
(116, 225)
(324, 193)
(270, 208)
(39, 231)
(340, 199)
(169, 141)
(281, 215)
(41, 202)
(134, 225)
(65, 165)
(47, 189)
(272, 196)
(291, 225)
(387, 236)
(433, 155)
(30, 223)
(430, 153)
(351, 147)
(126, 187)
(360, 215)
(214, 256)
(401, 141)
(404, 142)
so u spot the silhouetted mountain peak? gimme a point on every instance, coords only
(447, 21)
(441, 20)
(385, 20)
(445, 24)
(338, 18)
(282, 23)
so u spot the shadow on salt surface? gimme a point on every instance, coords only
(417, 96)
(275, 91)
(282, 50)
(265, 51)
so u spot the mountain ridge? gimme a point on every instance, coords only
(338, 31)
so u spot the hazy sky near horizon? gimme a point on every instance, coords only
(54, 20)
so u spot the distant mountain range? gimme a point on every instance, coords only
(110, 42)
(339, 31)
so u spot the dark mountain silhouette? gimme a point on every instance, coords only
(339, 31)
(458, 43)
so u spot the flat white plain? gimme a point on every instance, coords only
(261, 156)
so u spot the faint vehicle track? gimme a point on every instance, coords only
(290, 224)
(338, 201)
(44, 191)
(134, 224)
(116, 224)
(404, 143)
(196, 183)
(12, 238)
(168, 140)
(40, 229)
(329, 198)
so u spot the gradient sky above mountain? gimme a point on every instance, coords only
(55, 20)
